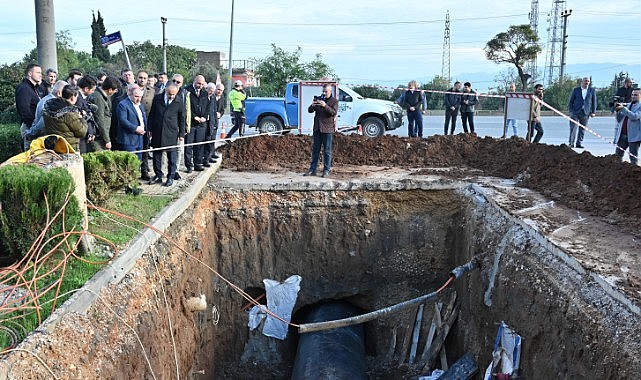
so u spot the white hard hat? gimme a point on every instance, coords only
(238, 83)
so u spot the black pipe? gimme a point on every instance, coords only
(331, 354)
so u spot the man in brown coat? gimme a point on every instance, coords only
(325, 108)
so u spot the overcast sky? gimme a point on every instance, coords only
(364, 41)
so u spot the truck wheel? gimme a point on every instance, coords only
(373, 127)
(270, 124)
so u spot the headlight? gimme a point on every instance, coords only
(396, 108)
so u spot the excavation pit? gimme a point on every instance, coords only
(385, 236)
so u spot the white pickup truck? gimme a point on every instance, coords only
(281, 114)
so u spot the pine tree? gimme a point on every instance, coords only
(98, 30)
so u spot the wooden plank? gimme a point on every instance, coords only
(430, 337)
(464, 368)
(392, 346)
(407, 338)
(440, 339)
(439, 328)
(416, 333)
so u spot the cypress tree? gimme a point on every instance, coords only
(98, 30)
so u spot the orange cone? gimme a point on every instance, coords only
(360, 129)
(222, 131)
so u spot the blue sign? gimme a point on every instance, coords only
(110, 38)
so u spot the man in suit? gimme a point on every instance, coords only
(132, 121)
(199, 103)
(629, 121)
(582, 107)
(216, 111)
(148, 93)
(167, 126)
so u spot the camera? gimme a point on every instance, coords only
(319, 98)
(614, 100)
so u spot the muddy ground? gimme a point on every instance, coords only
(600, 186)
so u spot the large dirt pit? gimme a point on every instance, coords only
(372, 236)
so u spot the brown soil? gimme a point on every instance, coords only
(600, 186)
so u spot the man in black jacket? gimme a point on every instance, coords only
(216, 111)
(27, 96)
(452, 105)
(199, 103)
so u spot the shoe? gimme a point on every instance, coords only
(177, 176)
(133, 190)
(215, 156)
(145, 177)
(325, 174)
(155, 181)
(189, 170)
(212, 160)
(169, 182)
(207, 164)
(579, 146)
(199, 168)
(309, 173)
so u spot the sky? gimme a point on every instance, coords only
(364, 41)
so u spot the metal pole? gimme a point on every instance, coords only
(231, 44)
(163, 20)
(565, 14)
(46, 34)
(124, 49)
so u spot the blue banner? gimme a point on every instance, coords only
(110, 38)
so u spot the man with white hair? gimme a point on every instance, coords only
(132, 121)
(38, 127)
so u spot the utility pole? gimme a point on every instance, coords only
(565, 14)
(445, 66)
(231, 44)
(163, 20)
(46, 34)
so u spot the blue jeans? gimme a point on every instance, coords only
(513, 123)
(324, 139)
(415, 123)
(583, 120)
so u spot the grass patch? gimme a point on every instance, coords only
(18, 316)
(141, 207)
(54, 282)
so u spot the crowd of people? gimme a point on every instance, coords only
(137, 112)
(130, 113)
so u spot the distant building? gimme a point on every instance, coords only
(214, 58)
(243, 70)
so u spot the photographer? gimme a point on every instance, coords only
(325, 109)
(629, 126)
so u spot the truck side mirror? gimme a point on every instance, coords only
(347, 98)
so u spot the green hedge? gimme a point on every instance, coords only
(10, 141)
(23, 210)
(108, 171)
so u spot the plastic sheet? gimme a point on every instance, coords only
(281, 298)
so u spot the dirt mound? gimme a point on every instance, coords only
(601, 186)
